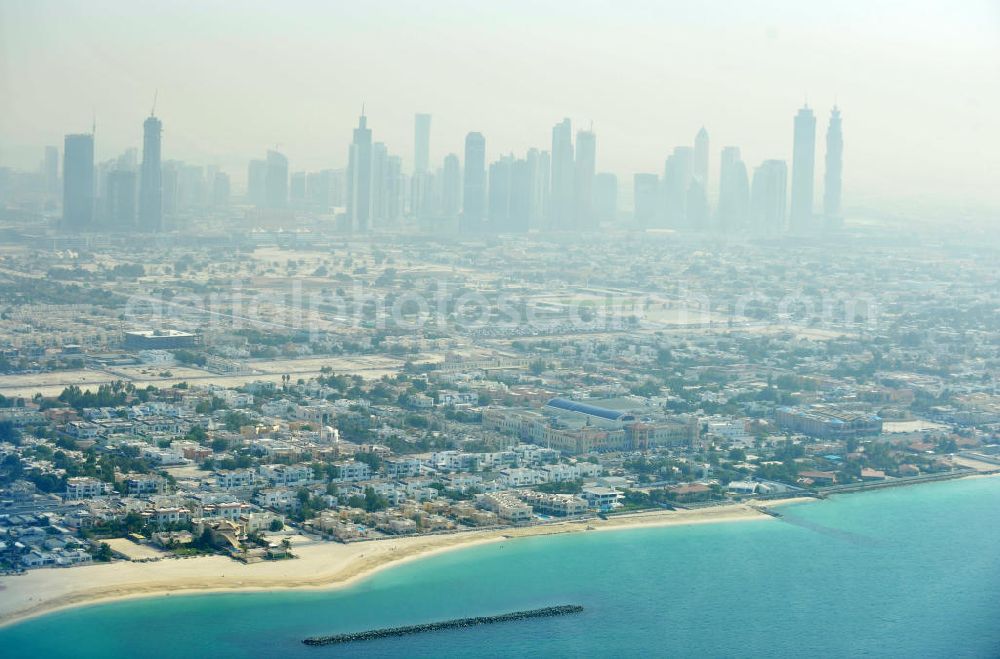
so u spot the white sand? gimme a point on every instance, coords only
(318, 564)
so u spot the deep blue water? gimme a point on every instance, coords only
(907, 572)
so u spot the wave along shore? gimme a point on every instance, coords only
(317, 564)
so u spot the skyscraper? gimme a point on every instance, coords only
(319, 189)
(768, 196)
(499, 193)
(338, 187)
(78, 182)
(170, 188)
(102, 171)
(297, 189)
(519, 209)
(359, 178)
(734, 189)
(421, 143)
(388, 187)
(561, 199)
(191, 189)
(834, 167)
(700, 165)
(121, 199)
(451, 186)
(540, 186)
(276, 180)
(151, 177)
(422, 201)
(220, 190)
(803, 166)
(474, 188)
(583, 180)
(678, 174)
(394, 191)
(380, 163)
(127, 160)
(422, 194)
(257, 182)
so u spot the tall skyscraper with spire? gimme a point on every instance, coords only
(474, 187)
(583, 180)
(359, 177)
(803, 170)
(563, 173)
(78, 182)
(834, 168)
(151, 177)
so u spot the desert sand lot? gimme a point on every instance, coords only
(51, 384)
(132, 550)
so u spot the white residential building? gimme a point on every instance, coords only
(354, 471)
(229, 479)
(286, 474)
(506, 506)
(84, 487)
(143, 484)
(521, 477)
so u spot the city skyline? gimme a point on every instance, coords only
(771, 69)
(369, 282)
(541, 191)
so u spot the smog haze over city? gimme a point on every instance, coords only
(520, 329)
(918, 79)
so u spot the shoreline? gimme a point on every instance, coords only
(318, 565)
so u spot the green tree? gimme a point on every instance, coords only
(103, 553)
(236, 420)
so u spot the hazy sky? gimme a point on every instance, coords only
(918, 81)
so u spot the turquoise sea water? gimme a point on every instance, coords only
(907, 572)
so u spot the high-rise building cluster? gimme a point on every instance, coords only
(558, 189)
(129, 194)
(680, 200)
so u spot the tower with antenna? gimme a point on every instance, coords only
(151, 181)
(359, 176)
(833, 171)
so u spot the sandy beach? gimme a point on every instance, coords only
(317, 564)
